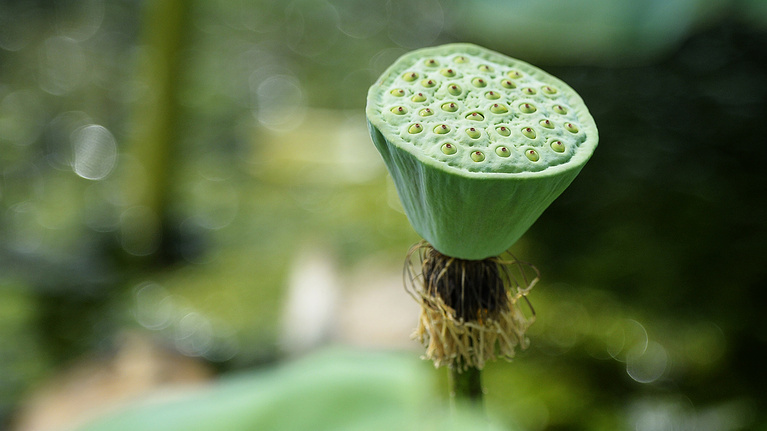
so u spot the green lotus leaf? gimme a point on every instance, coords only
(501, 141)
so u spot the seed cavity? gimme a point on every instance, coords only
(527, 108)
(507, 83)
(428, 83)
(502, 151)
(479, 82)
(460, 59)
(514, 74)
(477, 156)
(449, 107)
(419, 97)
(399, 110)
(492, 95)
(425, 112)
(558, 146)
(398, 92)
(475, 116)
(559, 109)
(532, 155)
(549, 89)
(485, 68)
(529, 132)
(473, 133)
(572, 128)
(499, 109)
(447, 72)
(431, 62)
(442, 129)
(547, 124)
(448, 148)
(454, 89)
(529, 91)
(415, 128)
(503, 131)
(410, 76)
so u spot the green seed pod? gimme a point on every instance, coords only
(473, 133)
(399, 110)
(398, 92)
(507, 83)
(497, 108)
(441, 129)
(485, 68)
(532, 155)
(428, 83)
(449, 107)
(557, 146)
(418, 97)
(559, 109)
(527, 108)
(546, 123)
(454, 89)
(475, 116)
(410, 76)
(492, 95)
(468, 208)
(425, 112)
(503, 151)
(448, 72)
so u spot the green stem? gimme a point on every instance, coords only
(465, 387)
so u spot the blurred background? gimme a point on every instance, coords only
(188, 190)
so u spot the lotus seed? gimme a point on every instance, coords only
(514, 74)
(529, 91)
(399, 110)
(428, 83)
(571, 127)
(506, 83)
(477, 156)
(532, 155)
(547, 124)
(415, 128)
(559, 109)
(448, 148)
(503, 131)
(431, 62)
(527, 108)
(425, 112)
(498, 109)
(479, 82)
(460, 59)
(418, 98)
(485, 68)
(441, 129)
(448, 72)
(449, 107)
(492, 95)
(473, 133)
(454, 89)
(410, 76)
(398, 92)
(476, 116)
(558, 146)
(549, 89)
(503, 151)
(529, 132)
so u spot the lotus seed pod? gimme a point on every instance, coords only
(474, 196)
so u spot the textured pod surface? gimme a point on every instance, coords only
(502, 139)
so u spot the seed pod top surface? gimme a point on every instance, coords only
(478, 143)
